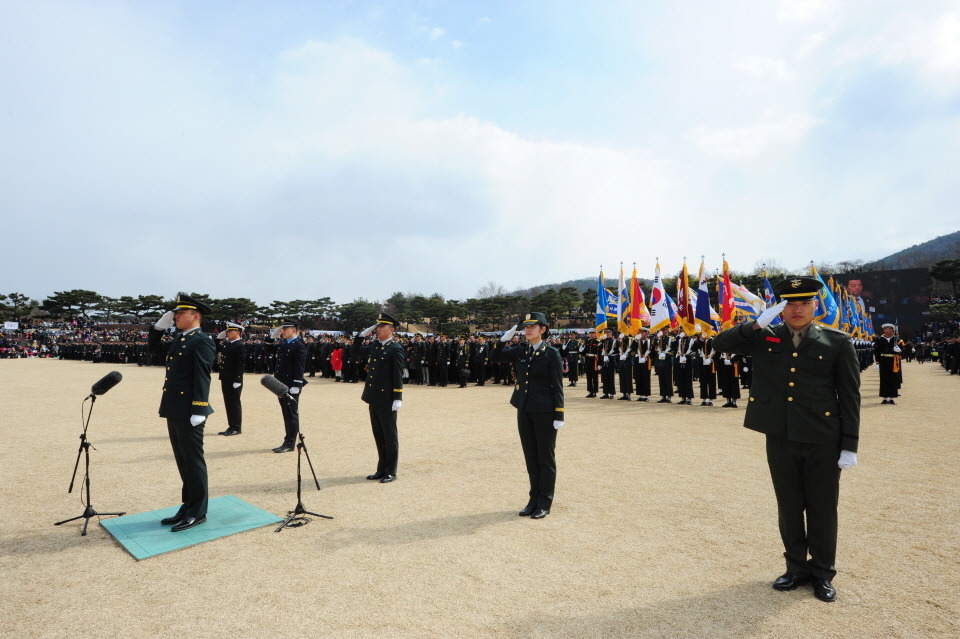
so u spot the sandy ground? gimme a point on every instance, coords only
(664, 523)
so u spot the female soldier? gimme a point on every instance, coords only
(538, 398)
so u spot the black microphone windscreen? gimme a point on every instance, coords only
(274, 385)
(108, 381)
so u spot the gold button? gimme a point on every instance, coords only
(769, 349)
(752, 399)
(793, 370)
(827, 413)
(821, 357)
(794, 354)
(789, 399)
(791, 384)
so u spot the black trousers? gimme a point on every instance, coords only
(538, 438)
(590, 372)
(683, 376)
(608, 378)
(231, 403)
(708, 382)
(641, 378)
(806, 480)
(290, 408)
(187, 444)
(383, 422)
(665, 377)
(573, 372)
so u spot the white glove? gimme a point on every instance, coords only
(196, 420)
(896, 349)
(663, 356)
(368, 330)
(707, 360)
(746, 368)
(683, 359)
(580, 350)
(165, 321)
(294, 390)
(768, 315)
(606, 358)
(506, 337)
(237, 384)
(397, 403)
(221, 335)
(557, 424)
(642, 360)
(275, 333)
(623, 356)
(727, 362)
(847, 460)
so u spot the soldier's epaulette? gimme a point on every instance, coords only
(830, 329)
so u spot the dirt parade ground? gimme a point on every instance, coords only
(664, 523)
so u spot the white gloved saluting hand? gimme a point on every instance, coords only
(165, 321)
(506, 337)
(768, 315)
(275, 333)
(365, 332)
(847, 460)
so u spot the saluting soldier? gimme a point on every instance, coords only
(291, 362)
(538, 398)
(383, 393)
(233, 361)
(185, 404)
(806, 400)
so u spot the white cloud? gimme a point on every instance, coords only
(766, 69)
(751, 141)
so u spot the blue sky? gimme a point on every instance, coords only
(290, 150)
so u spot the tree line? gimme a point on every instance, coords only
(492, 308)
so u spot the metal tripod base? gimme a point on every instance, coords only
(88, 513)
(297, 518)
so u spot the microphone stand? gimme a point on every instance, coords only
(297, 515)
(84, 449)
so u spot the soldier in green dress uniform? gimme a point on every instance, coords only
(805, 398)
(185, 404)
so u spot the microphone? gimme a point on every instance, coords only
(106, 383)
(276, 387)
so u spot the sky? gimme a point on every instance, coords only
(352, 149)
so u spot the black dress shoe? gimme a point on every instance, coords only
(224, 432)
(283, 449)
(823, 589)
(230, 432)
(591, 395)
(540, 513)
(891, 402)
(376, 475)
(789, 581)
(169, 521)
(188, 522)
(387, 479)
(526, 512)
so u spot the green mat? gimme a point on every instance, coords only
(143, 536)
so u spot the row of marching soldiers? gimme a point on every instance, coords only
(684, 366)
